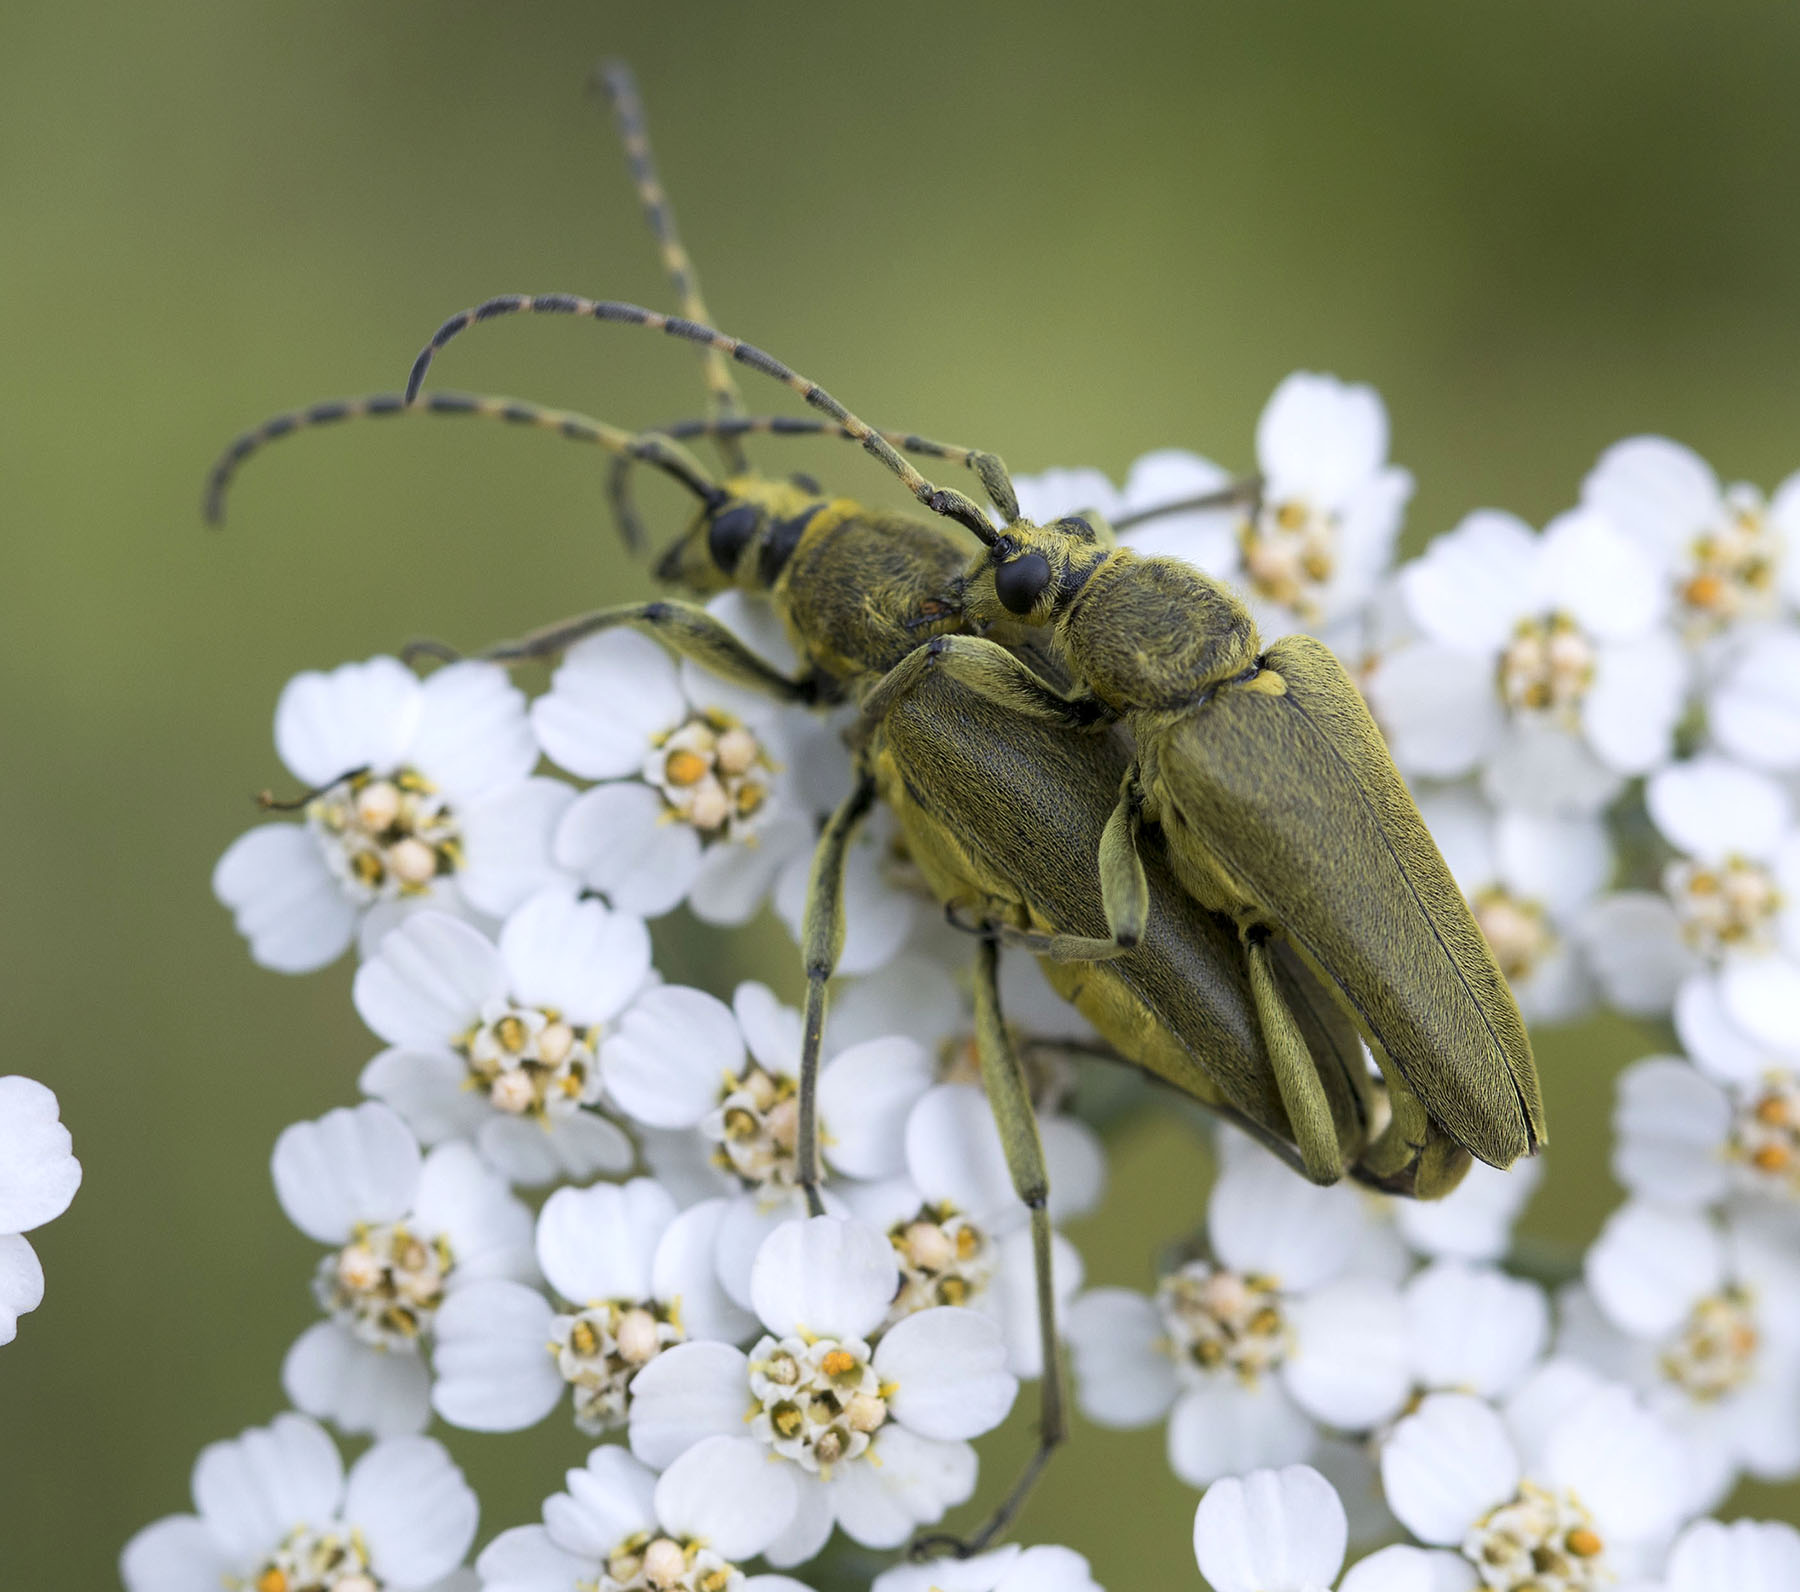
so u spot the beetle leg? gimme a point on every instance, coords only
(1409, 1130)
(686, 629)
(988, 668)
(821, 940)
(1058, 947)
(1124, 890)
(1296, 1074)
(1009, 1096)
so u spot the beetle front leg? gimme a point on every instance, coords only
(822, 941)
(988, 669)
(1009, 1097)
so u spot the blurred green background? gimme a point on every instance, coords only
(1068, 233)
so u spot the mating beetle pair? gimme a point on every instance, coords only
(1090, 757)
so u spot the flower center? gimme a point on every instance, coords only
(385, 836)
(1290, 554)
(713, 773)
(647, 1563)
(816, 1403)
(1715, 1352)
(529, 1062)
(385, 1284)
(755, 1125)
(600, 1349)
(1221, 1320)
(314, 1561)
(1540, 1542)
(1517, 931)
(1546, 669)
(1765, 1136)
(1731, 568)
(945, 1259)
(1726, 906)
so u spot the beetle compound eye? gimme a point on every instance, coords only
(730, 534)
(1020, 583)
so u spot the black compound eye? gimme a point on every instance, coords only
(729, 534)
(1021, 582)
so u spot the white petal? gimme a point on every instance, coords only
(1623, 1463)
(174, 1554)
(354, 1164)
(252, 1490)
(427, 1088)
(1744, 1556)
(1754, 713)
(1262, 1218)
(1075, 1159)
(574, 956)
(808, 1530)
(1711, 807)
(1270, 1531)
(1474, 1329)
(361, 715)
(1655, 490)
(1226, 1428)
(556, 1150)
(734, 876)
(507, 844)
(665, 1062)
(525, 1559)
(954, 1154)
(284, 900)
(1123, 1376)
(1349, 1368)
(1634, 945)
(1720, 1048)
(725, 1492)
(1321, 437)
(771, 1028)
(612, 1498)
(1670, 1127)
(689, 1392)
(981, 1573)
(1538, 1405)
(332, 1374)
(865, 1094)
(1437, 707)
(1462, 824)
(1559, 861)
(878, 919)
(1011, 1296)
(916, 1480)
(1630, 711)
(1542, 769)
(949, 1371)
(472, 736)
(487, 1225)
(913, 994)
(428, 982)
(1474, 1221)
(1592, 570)
(21, 1283)
(598, 1243)
(413, 1508)
(493, 1371)
(1474, 582)
(1206, 538)
(1650, 1267)
(684, 1274)
(1405, 1569)
(826, 1275)
(38, 1175)
(745, 1226)
(1051, 494)
(609, 698)
(1446, 1466)
(1762, 997)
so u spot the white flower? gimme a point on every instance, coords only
(680, 1059)
(499, 1044)
(1727, 558)
(1689, 1136)
(1473, 1329)
(1528, 878)
(1744, 1556)
(275, 1509)
(419, 795)
(1706, 1320)
(694, 801)
(1474, 1221)
(1730, 894)
(1285, 1531)
(874, 1435)
(637, 1277)
(1567, 1502)
(621, 1528)
(407, 1231)
(1546, 662)
(1248, 1354)
(1753, 707)
(38, 1178)
(1008, 1569)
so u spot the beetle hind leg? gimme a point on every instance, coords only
(1297, 1077)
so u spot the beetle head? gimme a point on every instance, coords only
(742, 538)
(1031, 573)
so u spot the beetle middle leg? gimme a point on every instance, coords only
(1009, 1097)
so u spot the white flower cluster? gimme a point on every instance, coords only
(38, 1178)
(573, 1190)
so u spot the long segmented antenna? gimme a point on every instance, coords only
(614, 79)
(940, 500)
(652, 449)
(618, 479)
(1246, 493)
